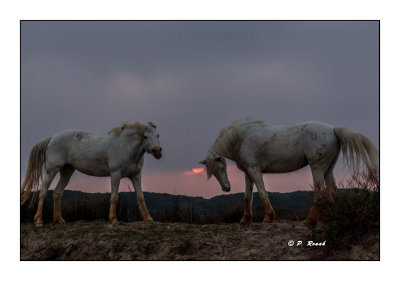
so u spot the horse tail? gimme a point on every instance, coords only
(37, 158)
(357, 147)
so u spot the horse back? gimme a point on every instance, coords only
(82, 150)
(281, 149)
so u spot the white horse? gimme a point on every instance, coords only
(259, 148)
(119, 154)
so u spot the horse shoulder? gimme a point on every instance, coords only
(248, 153)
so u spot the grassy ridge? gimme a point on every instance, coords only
(78, 205)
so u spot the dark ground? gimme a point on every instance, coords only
(99, 240)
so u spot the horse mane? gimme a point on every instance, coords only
(231, 137)
(138, 127)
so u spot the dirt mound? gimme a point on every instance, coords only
(174, 241)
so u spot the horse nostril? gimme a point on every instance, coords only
(156, 150)
(160, 149)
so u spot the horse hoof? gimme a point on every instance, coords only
(308, 223)
(245, 220)
(39, 224)
(268, 219)
(148, 219)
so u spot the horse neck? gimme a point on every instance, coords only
(229, 144)
(136, 149)
(223, 153)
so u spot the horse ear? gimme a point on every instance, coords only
(152, 124)
(203, 162)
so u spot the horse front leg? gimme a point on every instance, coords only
(137, 185)
(248, 199)
(256, 176)
(115, 179)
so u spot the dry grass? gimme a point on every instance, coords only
(351, 216)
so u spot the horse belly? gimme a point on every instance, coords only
(92, 168)
(283, 164)
(89, 160)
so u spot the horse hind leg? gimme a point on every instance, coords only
(322, 173)
(319, 187)
(65, 175)
(328, 176)
(48, 178)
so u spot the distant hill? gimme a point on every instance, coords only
(162, 206)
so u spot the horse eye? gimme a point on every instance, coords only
(145, 137)
(158, 136)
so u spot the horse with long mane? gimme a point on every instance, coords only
(259, 148)
(118, 154)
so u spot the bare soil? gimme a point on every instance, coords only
(100, 240)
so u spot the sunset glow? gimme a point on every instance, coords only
(197, 170)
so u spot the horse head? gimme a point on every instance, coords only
(216, 166)
(151, 141)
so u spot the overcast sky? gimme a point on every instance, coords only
(191, 79)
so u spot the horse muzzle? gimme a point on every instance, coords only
(226, 188)
(157, 153)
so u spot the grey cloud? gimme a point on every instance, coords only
(193, 78)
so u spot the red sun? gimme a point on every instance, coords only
(197, 170)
